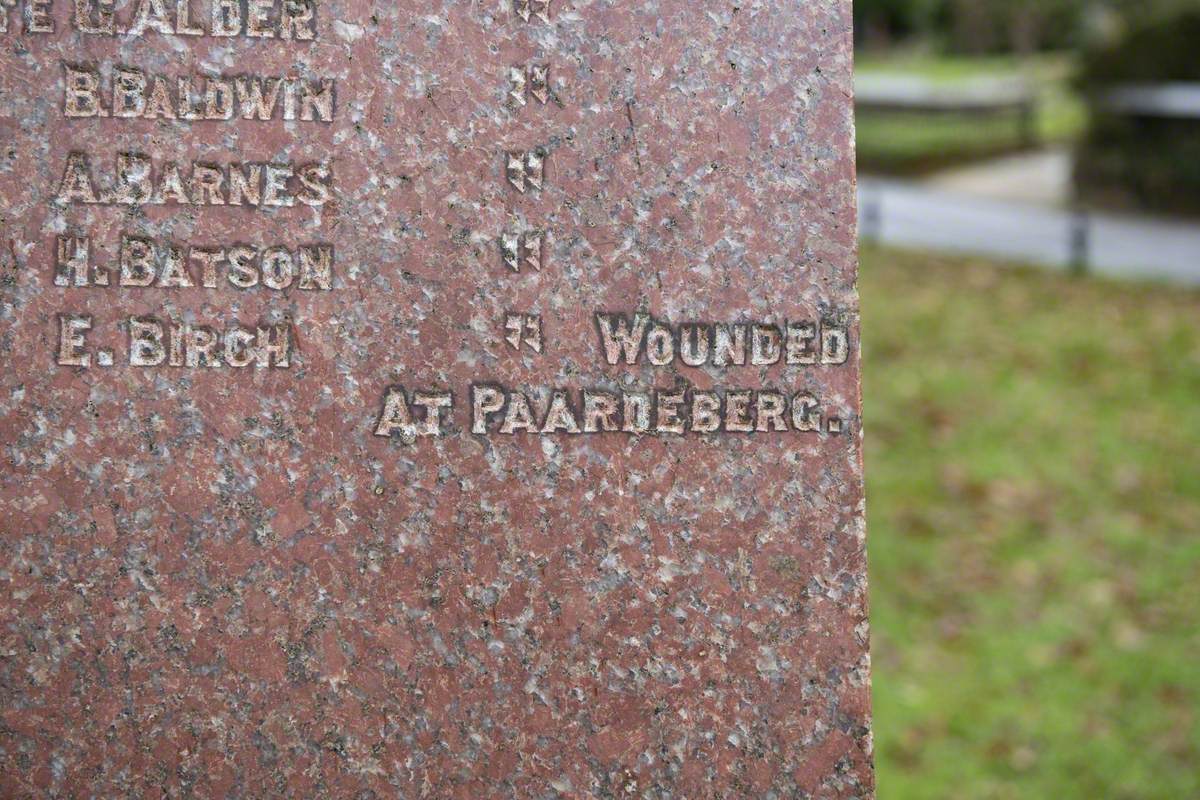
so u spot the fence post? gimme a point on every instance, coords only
(872, 216)
(1080, 245)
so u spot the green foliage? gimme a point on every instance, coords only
(991, 26)
(1147, 164)
(914, 143)
(1034, 532)
(977, 26)
(1143, 161)
(974, 26)
(896, 18)
(1163, 49)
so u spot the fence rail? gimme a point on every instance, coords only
(909, 215)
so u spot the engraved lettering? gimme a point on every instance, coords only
(737, 412)
(770, 408)
(72, 343)
(697, 344)
(730, 347)
(77, 185)
(82, 93)
(95, 16)
(485, 401)
(660, 346)
(146, 342)
(226, 18)
(146, 263)
(396, 415)
(150, 14)
(635, 409)
(804, 414)
(600, 410)
(518, 416)
(137, 180)
(315, 182)
(183, 20)
(258, 97)
(239, 348)
(835, 346)
(765, 345)
(200, 346)
(433, 403)
(694, 344)
(706, 412)
(259, 19)
(298, 20)
(667, 413)
(73, 263)
(496, 409)
(619, 338)
(274, 345)
(38, 16)
(137, 262)
(560, 417)
(290, 20)
(154, 343)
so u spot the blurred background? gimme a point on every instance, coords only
(1030, 215)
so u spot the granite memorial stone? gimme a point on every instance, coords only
(448, 399)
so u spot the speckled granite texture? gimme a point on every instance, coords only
(230, 567)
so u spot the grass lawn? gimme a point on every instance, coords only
(1033, 463)
(911, 143)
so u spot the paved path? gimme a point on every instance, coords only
(1042, 177)
(946, 220)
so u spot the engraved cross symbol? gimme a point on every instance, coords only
(525, 170)
(532, 8)
(524, 329)
(532, 80)
(522, 249)
(539, 82)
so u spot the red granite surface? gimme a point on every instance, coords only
(221, 583)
